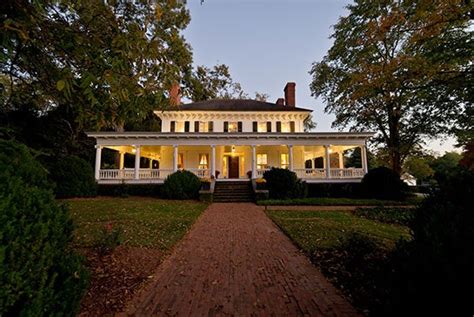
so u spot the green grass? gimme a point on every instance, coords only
(145, 222)
(329, 201)
(312, 230)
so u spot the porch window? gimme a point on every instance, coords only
(180, 160)
(284, 160)
(262, 161)
(203, 161)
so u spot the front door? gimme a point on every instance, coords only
(233, 166)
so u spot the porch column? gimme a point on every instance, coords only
(121, 160)
(341, 159)
(137, 161)
(98, 157)
(363, 158)
(175, 158)
(327, 161)
(290, 157)
(151, 163)
(213, 161)
(254, 161)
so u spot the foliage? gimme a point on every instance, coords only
(309, 124)
(106, 61)
(73, 177)
(419, 167)
(39, 273)
(283, 183)
(383, 183)
(445, 166)
(146, 222)
(434, 269)
(330, 201)
(401, 68)
(109, 238)
(401, 216)
(181, 185)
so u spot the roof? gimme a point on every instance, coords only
(236, 105)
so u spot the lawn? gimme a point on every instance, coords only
(312, 230)
(330, 201)
(145, 222)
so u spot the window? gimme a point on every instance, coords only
(203, 161)
(180, 161)
(269, 126)
(226, 126)
(201, 126)
(196, 126)
(233, 126)
(173, 126)
(278, 126)
(292, 126)
(255, 126)
(210, 126)
(284, 160)
(262, 127)
(285, 127)
(186, 126)
(262, 161)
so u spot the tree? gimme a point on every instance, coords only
(402, 68)
(309, 124)
(110, 62)
(419, 167)
(446, 165)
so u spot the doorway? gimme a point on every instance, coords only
(233, 165)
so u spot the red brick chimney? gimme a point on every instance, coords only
(290, 91)
(280, 102)
(175, 95)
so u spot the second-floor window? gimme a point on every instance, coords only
(233, 126)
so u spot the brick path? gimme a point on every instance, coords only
(235, 261)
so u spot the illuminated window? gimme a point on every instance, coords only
(262, 127)
(286, 127)
(180, 161)
(284, 160)
(203, 161)
(179, 126)
(203, 126)
(262, 161)
(233, 127)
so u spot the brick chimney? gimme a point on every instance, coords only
(290, 91)
(175, 95)
(280, 102)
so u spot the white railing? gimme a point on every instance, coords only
(199, 172)
(261, 171)
(310, 173)
(111, 174)
(347, 173)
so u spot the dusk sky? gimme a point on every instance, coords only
(267, 43)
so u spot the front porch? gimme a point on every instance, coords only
(122, 160)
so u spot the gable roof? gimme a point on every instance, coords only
(235, 105)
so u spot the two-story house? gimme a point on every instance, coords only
(231, 139)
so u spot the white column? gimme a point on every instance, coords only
(363, 158)
(137, 162)
(98, 157)
(327, 161)
(290, 157)
(254, 161)
(341, 159)
(175, 158)
(121, 160)
(213, 160)
(151, 163)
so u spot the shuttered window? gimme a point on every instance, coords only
(269, 126)
(255, 126)
(173, 126)
(226, 126)
(278, 126)
(292, 126)
(239, 124)
(196, 126)
(186, 126)
(210, 126)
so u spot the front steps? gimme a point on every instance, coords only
(233, 191)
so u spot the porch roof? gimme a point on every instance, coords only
(219, 138)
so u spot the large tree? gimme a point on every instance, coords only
(402, 68)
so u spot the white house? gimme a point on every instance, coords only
(231, 139)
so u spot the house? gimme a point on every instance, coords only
(230, 140)
(409, 179)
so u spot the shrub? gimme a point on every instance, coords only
(283, 183)
(73, 176)
(401, 216)
(109, 238)
(434, 269)
(383, 183)
(181, 185)
(351, 190)
(39, 273)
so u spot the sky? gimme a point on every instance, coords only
(267, 43)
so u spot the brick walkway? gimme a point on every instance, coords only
(235, 261)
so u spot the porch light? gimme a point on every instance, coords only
(233, 149)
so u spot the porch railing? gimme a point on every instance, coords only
(261, 171)
(199, 172)
(347, 173)
(335, 173)
(144, 173)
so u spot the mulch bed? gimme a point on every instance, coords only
(116, 277)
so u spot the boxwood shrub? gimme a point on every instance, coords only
(39, 273)
(181, 185)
